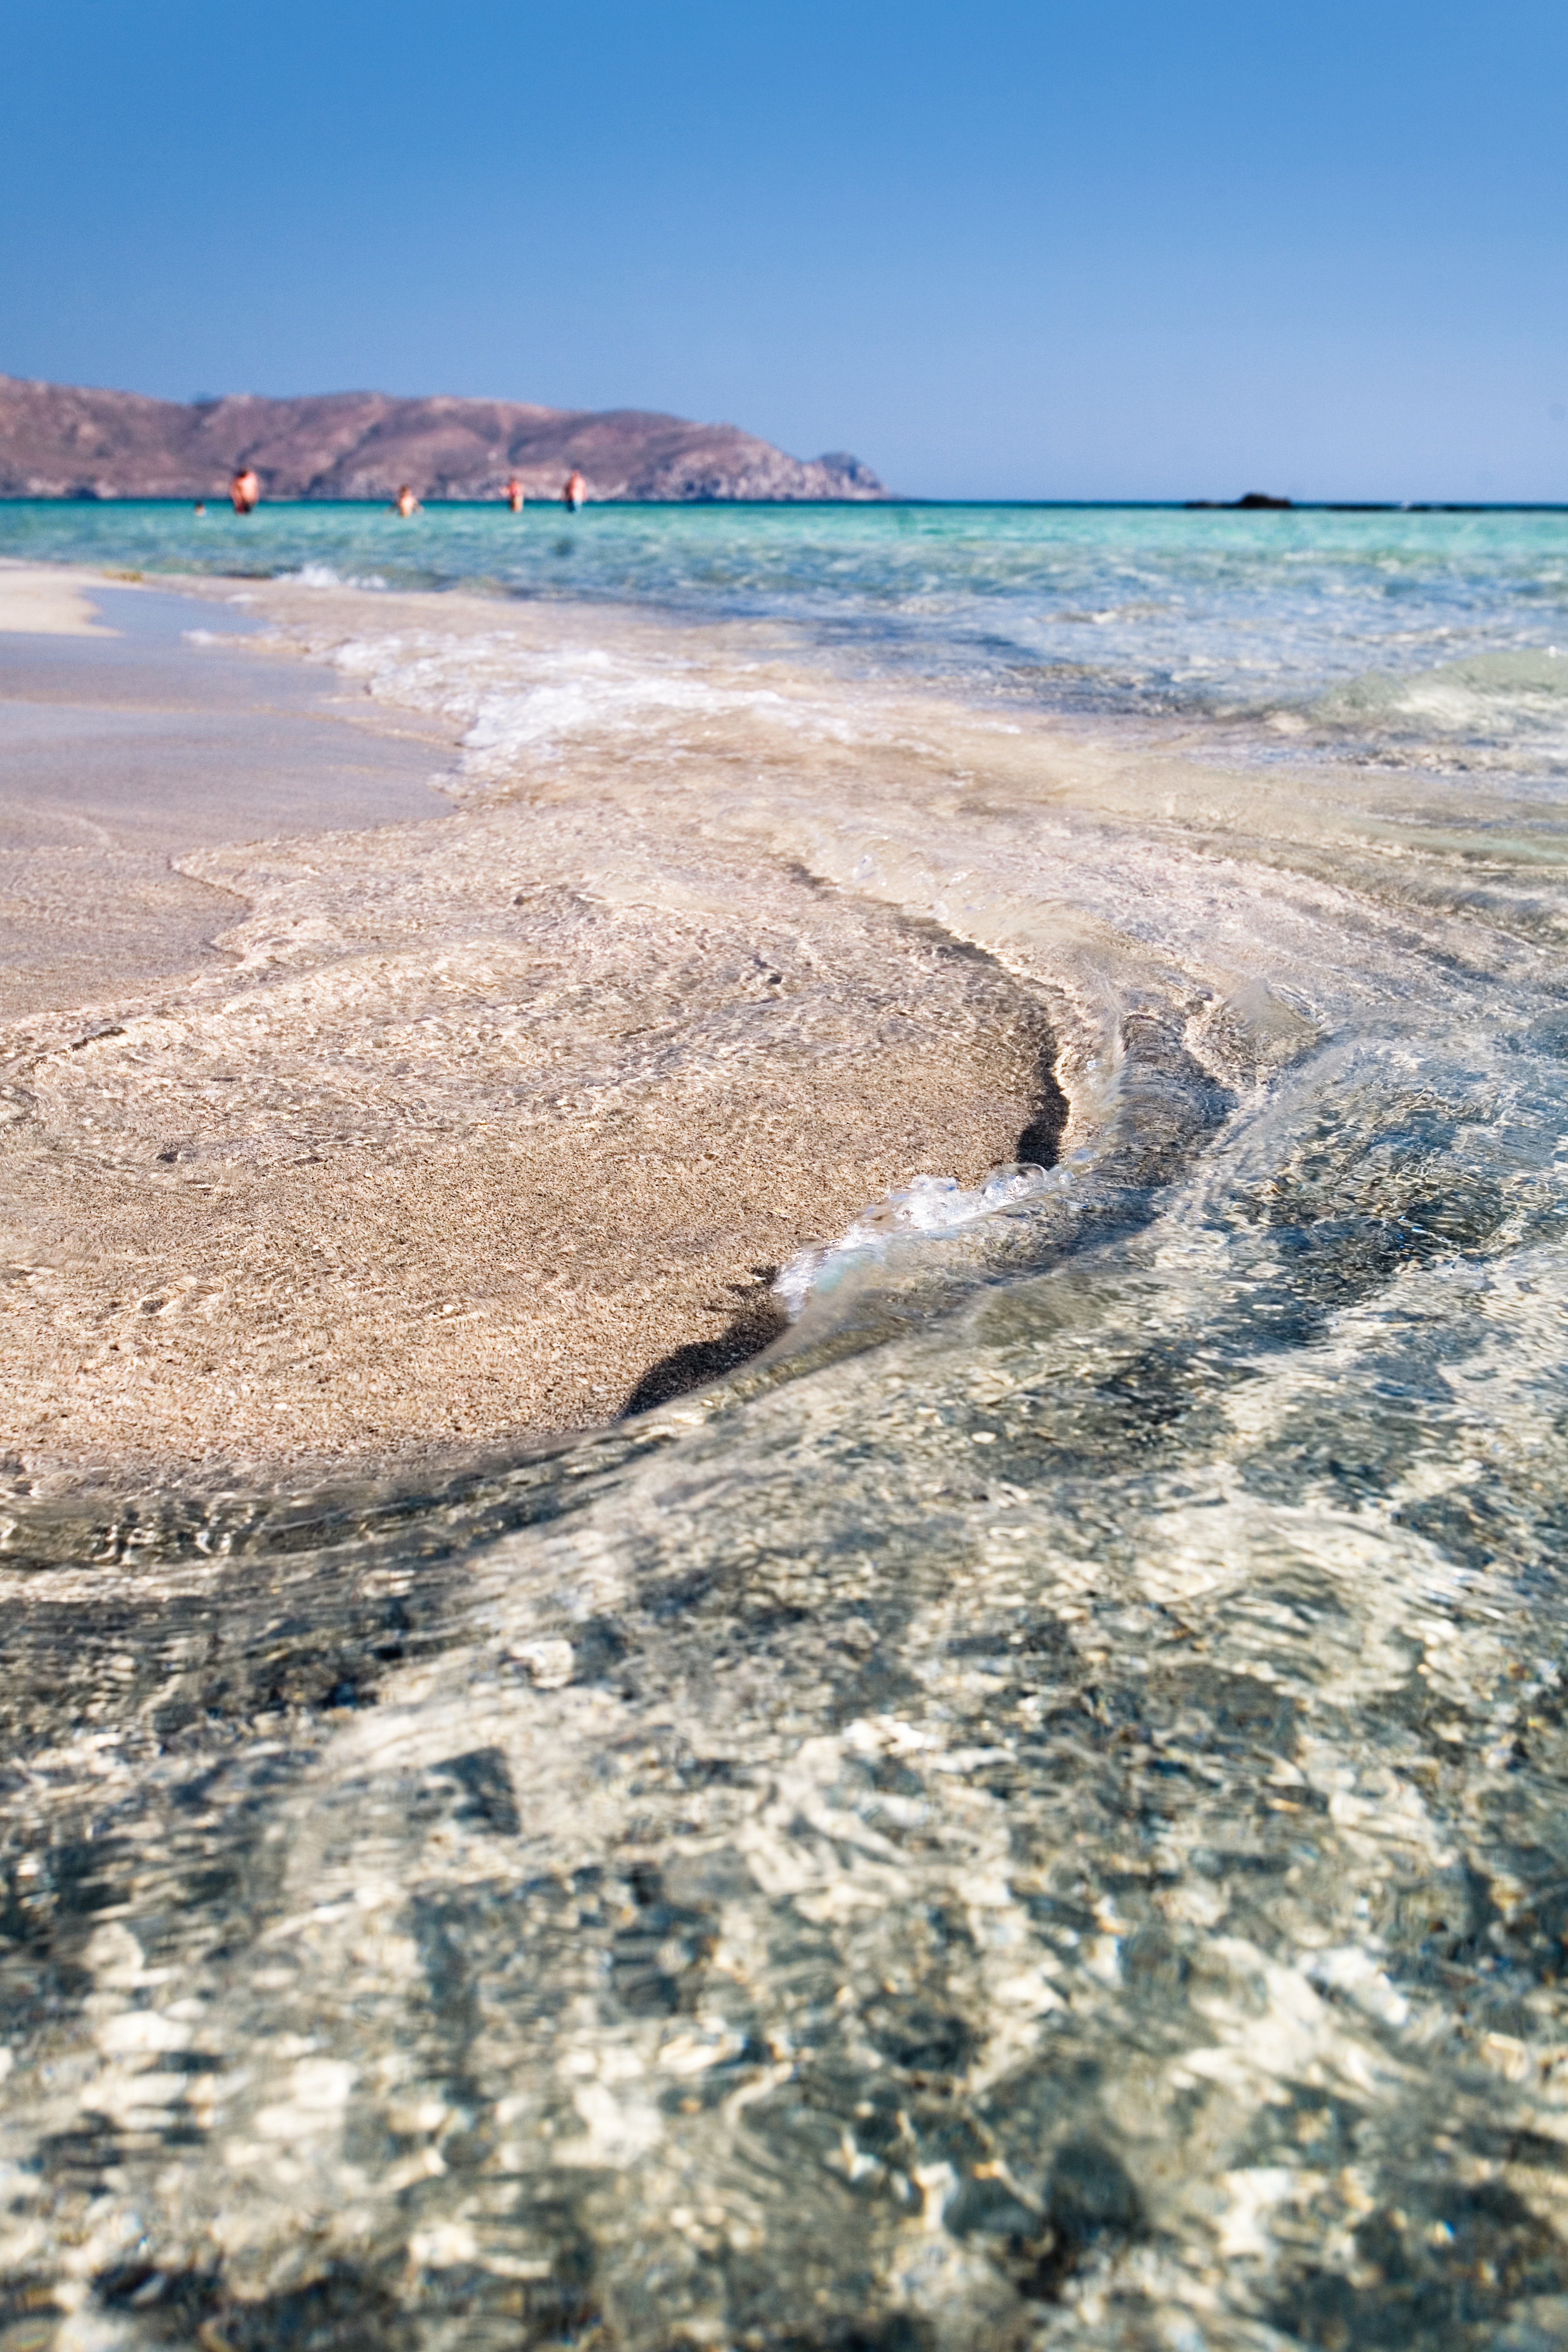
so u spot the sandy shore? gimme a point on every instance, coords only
(345, 1120)
(121, 755)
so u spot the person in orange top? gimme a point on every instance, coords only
(514, 495)
(576, 491)
(244, 490)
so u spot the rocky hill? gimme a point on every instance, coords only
(64, 441)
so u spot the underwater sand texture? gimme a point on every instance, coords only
(1042, 1829)
(503, 1121)
(477, 1166)
(471, 1124)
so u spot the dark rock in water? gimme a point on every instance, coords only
(65, 441)
(1254, 500)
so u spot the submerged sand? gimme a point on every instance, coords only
(346, 1140)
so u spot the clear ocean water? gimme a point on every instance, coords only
(1415, 633)
(1036, 1814)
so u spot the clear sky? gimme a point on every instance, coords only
(1135, 249)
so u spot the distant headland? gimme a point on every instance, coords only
(62, 440)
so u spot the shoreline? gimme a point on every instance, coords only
(1037, 1803)
(477, 1126)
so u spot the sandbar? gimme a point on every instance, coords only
(349, 1117)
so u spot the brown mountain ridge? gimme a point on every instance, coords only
(68, 441)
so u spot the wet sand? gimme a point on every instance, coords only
(122, 754)
(345, 1121)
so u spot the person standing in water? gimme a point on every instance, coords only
(514, 495)
(406, 502)
(244, 490)
(575, 492)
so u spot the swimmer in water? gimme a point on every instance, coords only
(406, 502)
(514, 495)
(244, 490)
(575, 492)
(201, 510)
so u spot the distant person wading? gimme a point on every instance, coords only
(574, 491)
(514, 495)
(244, 490)
(406, 502)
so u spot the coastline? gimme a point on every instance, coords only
(434, 1131)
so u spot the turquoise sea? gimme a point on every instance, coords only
(1391, 631)
(1036, 1814)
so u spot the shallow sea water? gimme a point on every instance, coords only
(1034, 1814)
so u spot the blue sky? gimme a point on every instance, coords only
(1125, 250)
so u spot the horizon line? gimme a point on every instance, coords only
(889, 498)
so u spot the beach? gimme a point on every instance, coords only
(625, 1722)
(348, 1130)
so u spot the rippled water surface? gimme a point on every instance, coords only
(1398, 631)
(1034, 1814)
